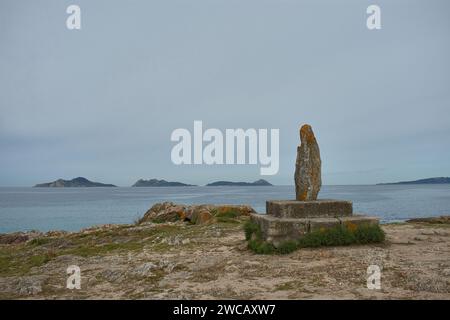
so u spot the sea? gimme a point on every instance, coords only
(71, 209)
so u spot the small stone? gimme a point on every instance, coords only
(112, 275)
(29, 285)
(308, 166)
(167, 265)
(145, 269)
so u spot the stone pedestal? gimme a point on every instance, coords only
(291, 219)
(305, 209)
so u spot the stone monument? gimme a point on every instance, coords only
(291, 219)
(307, 176)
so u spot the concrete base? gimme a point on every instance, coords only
(306, 209)
(277, 230)
(359, 219)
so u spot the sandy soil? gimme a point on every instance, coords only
(179, 261)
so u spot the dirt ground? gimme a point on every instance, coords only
(180, 261)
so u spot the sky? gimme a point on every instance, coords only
(102, 102)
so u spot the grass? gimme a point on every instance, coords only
(261, 247)
(13, 262)
(339, 236)
(39, 241)
(251, 228)
(227, 212)
(228, 220)
(20, 259)
(88, 251)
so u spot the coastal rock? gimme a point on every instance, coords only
(308, 166)
(433, 220)
(201, 216)
(19, 237)
(197, 214)
(164, 212)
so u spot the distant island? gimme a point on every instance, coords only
(258, 183)
(74, 183)
(439, 180)
(159, 183)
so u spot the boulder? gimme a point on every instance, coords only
(201, 216)
(197, 214)
(164, 212)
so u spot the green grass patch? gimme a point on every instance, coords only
(228, 220)
(225, 212)
(261, 247)
(161, 220)
(287, 247)
(89, 251)
(39, 241)
(251, 228)
(14, 262)
(338, 236)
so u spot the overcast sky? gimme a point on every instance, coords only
(101, 102)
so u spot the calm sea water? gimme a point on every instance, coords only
(75, 208)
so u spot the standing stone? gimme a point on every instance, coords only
(308, 166)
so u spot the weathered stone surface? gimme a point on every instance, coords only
(307, 209)
(358, 220)
(308, 166)
(19, 237)
(201, 216)
(278, 230)
(164, 212)
(198, 214)
(319, 224)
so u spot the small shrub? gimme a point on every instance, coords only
(369, 234)
(251, 228)
(261, 247)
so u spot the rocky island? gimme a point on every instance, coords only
(74, 183)
(257, 183)
(438, 180)
(159, 183)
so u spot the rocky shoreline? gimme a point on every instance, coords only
(197, 258)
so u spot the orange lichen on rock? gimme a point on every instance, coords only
(302, 196)
(351, 226)
(198, 214)
(307, 135)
